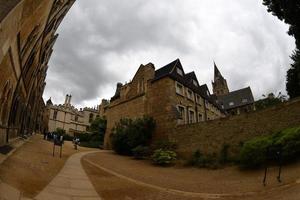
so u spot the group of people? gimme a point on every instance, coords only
(60, 139)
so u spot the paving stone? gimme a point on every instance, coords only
(71, 183)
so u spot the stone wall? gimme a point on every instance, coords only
(27, 35)
(209, 137)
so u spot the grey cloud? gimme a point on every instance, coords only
(102, 42)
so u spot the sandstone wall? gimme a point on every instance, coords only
(133, 108)
(209, 137)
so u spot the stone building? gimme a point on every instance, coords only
(69, 118)
(235, 102)
(27, 36)
(169, 95)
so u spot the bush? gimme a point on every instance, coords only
(68, 137)
(200, 160)
(223, 158)
(261, 150)
(254, 152)
(128, 134)
(163, 157)
(165, 145)
(83, 137)
(141, 152)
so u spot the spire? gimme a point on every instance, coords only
(218, 74)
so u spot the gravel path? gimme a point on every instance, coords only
(117, 177)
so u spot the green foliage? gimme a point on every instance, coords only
(164, 157)
(260, 150)
(60, 131)
(128, 134)
(269, 101)
(83, 137)
(201, 160)
(68, 137)
(289, 12)
(293, 76)
(224, 158)
(165, 145)
(254, 152)
(141, 152)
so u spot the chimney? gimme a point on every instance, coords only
(70, 97)
(66, 100)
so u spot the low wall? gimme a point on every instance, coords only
(209, 137)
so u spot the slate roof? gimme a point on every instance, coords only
(239, 98)
(187, 80)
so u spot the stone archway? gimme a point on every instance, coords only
(27, 35)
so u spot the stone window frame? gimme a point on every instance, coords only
(55, 113)
(179, 88)
(190, 94)
(194, 116)
(198, 99)
(200, 119)
(183, 113)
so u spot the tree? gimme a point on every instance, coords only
(98, 127)
(289, 12)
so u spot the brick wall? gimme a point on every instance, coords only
(209, 137)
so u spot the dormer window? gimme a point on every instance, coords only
(179, 71)
(195, 83)
(244, 100)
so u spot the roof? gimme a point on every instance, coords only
(236, 98)
(186, 79)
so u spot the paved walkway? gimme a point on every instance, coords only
(71, 183)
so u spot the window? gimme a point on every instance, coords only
(190, 94)
(231, 103)
(200, 117)
(198, 99)
(55, 114)
(179, 71)
(191, 116)
(181, 110)
(244, 100)
(76, 118)
(195, 83)
(179, 89)
(91, 117)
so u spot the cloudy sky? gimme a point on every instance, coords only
(103, 42)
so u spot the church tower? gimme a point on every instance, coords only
(219, 84)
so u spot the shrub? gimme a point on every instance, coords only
(68, 137)
(223, 158)
(141, 152)
(254, 152)
(83, 137)
(200, 160)
(289, 143)
(260, 150)
(128, 134)
(163, 157)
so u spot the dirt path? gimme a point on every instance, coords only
(117, 177)
(32, 167)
